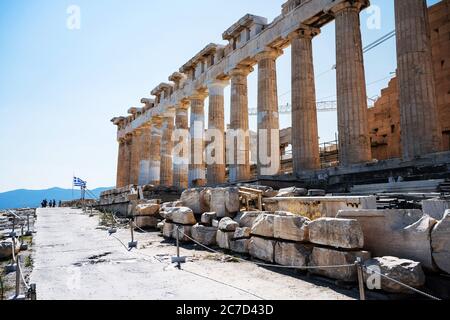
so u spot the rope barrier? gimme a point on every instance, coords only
(22, 276)
(402, 284)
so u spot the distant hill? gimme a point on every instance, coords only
(32, 198)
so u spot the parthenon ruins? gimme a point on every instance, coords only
(166, 143)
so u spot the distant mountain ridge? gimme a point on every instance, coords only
(23, 198)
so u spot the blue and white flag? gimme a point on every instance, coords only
(77, 182)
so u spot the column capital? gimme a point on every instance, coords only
(304, 32)
(198, 95)
(268, 53)
(217, 83)
(241, 71)
(356, 5)
(184, 104)
(157, 121)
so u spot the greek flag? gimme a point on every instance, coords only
(77, 182)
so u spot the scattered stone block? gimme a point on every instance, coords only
(205, 235)
(440, 242)
(247, 218)
(228, 225)
(6, 248)
(183, 232)
(208, 217)
(242, 233)
(262, 249)
(337, 233)
(263, 226)
(215, 223)
(160, 226)
(232, 203)
(240, 246)
(223, 239)
(196, 200)
(167, 229)
(147, 210)
(180, 215)
(435, 208)
(405, 271)
(292, 192)
(145, 222)
(292, 254)
(396, 233)
(321, 257)
(293, 228)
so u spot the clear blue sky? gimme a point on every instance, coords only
(59, 88)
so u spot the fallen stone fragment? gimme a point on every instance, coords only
(204, 235)
(240, 246)
(328, 257)
(180, 215)
(292, 192)
(440, 241)
(405, 271)
(232, 203)
(262, 249)
(247, 218)
(292, 254)
(6, 249)
(337, 233)
(166, 205)
(396, 233)
(167, 229)
(223, 239)
(294, 228)
(208, 217)
(147, 210)
(228, 225)
(184, 232)
(145, 222)
(193, 199)
(215, 223)
(242, 233)
(263, 226)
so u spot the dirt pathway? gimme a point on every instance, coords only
(75, 260)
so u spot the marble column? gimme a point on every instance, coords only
(155, 152)
(197, 167)
(239, 148)
(135, 156)
(121, 164)
(144, 162)
(181, 156)
(354, 140)
(268, 116)
(420, 127)
(305, 135)
(216, 170)
(166, 152)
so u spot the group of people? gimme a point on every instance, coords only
(48, 204)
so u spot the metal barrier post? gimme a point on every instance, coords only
(33, 291)
(13, 231)
(178, 248)
(17, 276)
(132, 244)
(359, 268)
(28, 233)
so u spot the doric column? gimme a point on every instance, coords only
(135, 156)
(155, 152)
(239, 168)
(121, 164)
(197, 168)
(305, 136)
(216, 133)
(268, 117)
(144, 163)
(166, 152)
(354, 140)
(181, 154)
(420, 127)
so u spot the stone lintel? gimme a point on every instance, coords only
(304, 31)
(246, 22)
(347, 4)
(209, 50)
(162, 87)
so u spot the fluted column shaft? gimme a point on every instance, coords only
(354, 140)
(420, 127)
(268, 116)
(239, 168)
(197, 167)
(155, 152)
(145, 151)
(216, 170)
(121, 164)
(305, 136)
(181, 157)
(135, 156)
(166, 152)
